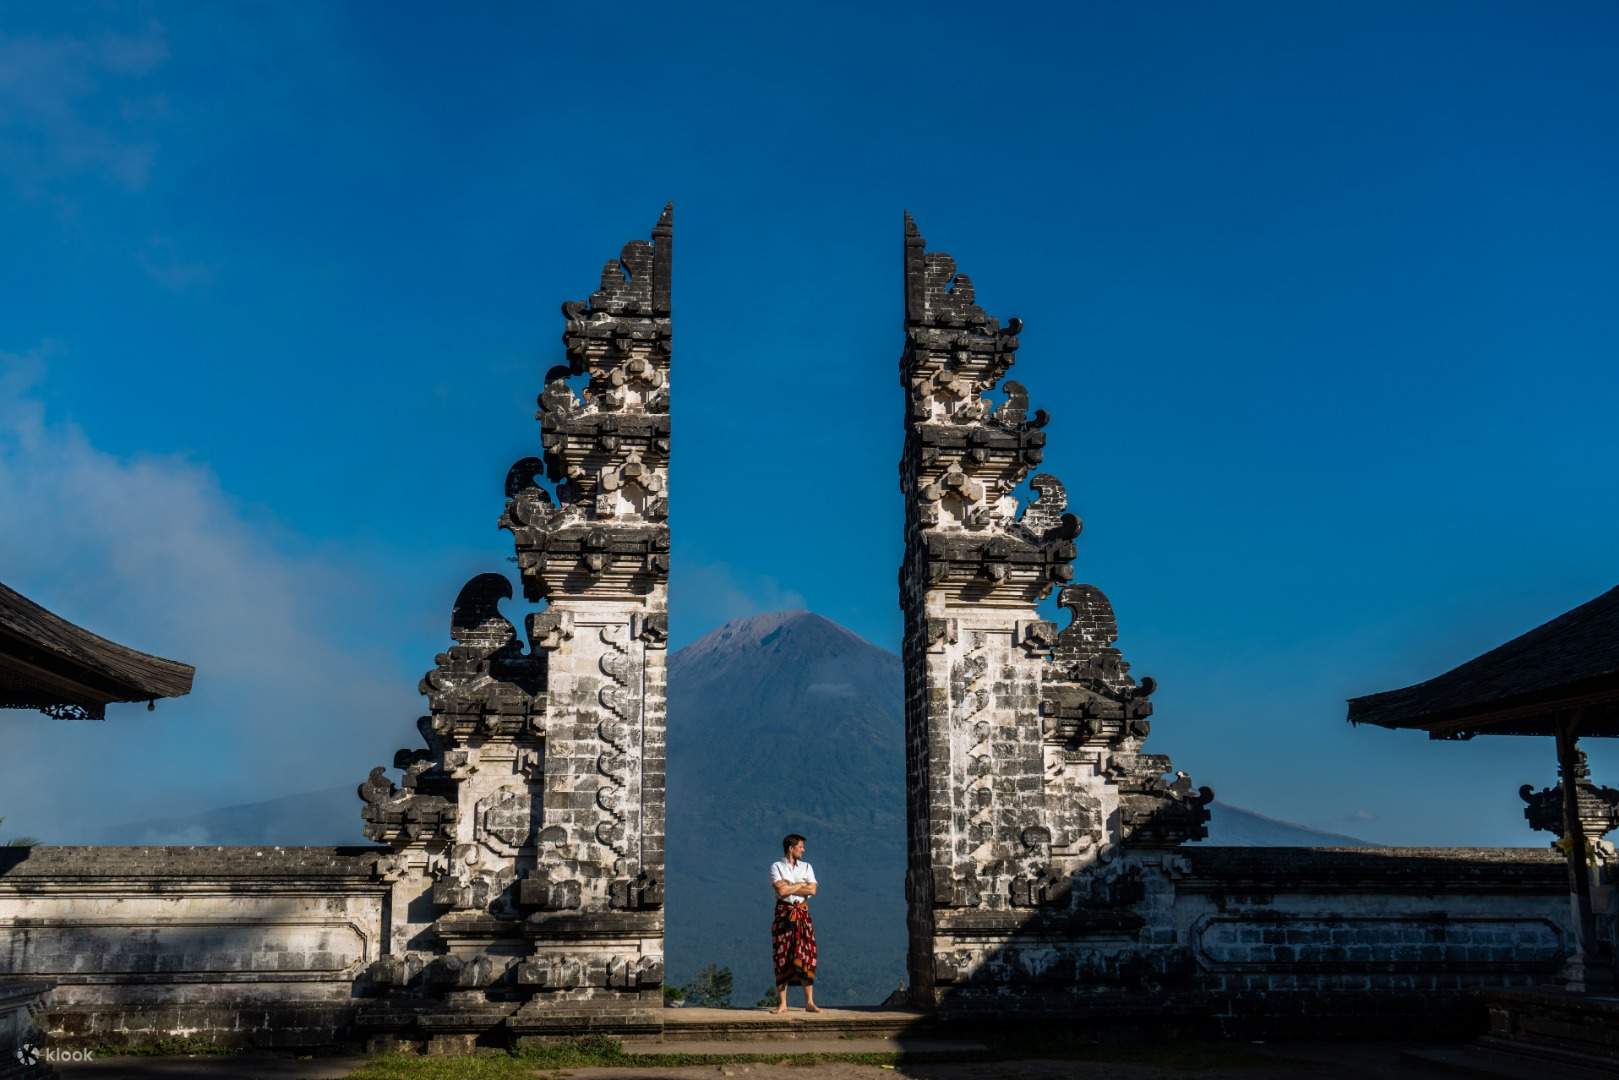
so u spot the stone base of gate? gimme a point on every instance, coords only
(433, 1028)
(538, 1027)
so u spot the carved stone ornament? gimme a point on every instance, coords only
(1598, 805)
(505, 820)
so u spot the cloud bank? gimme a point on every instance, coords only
(293, 690)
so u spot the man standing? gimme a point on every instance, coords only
(792, 933)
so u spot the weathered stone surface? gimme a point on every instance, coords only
(237, 945)
(21, 1036)
(1355, 941)
(1598, 808)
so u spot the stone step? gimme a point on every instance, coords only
(786, 1045)
(709, 1025)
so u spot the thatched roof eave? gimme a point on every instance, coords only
(1523, 687)
(49, 663)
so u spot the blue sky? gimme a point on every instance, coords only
(1321, 301)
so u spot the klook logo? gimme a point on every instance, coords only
(28, 1054)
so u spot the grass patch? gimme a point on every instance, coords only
(166, 1046)
(601, 1052)
(485, 1065)
(583, 1052)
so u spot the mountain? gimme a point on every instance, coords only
(779, 723)
(320, 818)
(329, 817)
(1232, 826)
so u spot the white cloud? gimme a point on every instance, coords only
(163, 264)
(74, 105)
(291, 693)
(190, 836)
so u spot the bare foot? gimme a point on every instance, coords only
(812, 1008)
(778, 1010)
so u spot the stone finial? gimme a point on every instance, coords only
(606, 446)
(1598, 805)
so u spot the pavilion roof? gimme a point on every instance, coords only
(50, 664)
(1520, 688)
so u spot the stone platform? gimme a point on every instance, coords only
(685, 1026)
(1349, 1061)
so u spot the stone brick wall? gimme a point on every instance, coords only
(1344, 941)
(1298, 942)
(235, 945)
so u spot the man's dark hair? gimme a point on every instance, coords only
(789, 840)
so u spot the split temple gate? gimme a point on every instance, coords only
(532, 821)
(515, 886)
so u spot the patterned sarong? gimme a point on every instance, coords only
(793, 935)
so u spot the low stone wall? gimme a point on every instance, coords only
(271, 946)
(257, 946)
(1284, 942)
(1343, 941)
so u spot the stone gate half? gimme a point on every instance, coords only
(1033, 812)
(527, 835)
(1045, 868)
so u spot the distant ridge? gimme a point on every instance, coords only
(781, 722)
(1233, 826)
(768, 629)
(320, 819)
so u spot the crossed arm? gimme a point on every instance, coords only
(787, 888)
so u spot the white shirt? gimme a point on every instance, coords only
(793, 874)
